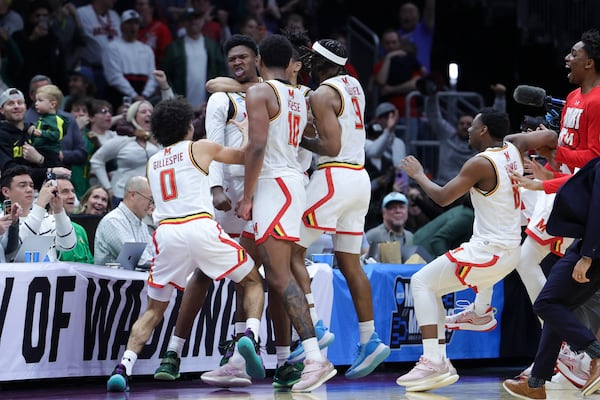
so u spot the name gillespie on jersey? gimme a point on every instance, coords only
(168, 160)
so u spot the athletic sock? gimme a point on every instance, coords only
(176, 344)
(366, 329)
(129, 358)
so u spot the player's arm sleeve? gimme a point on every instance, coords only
(215, 123)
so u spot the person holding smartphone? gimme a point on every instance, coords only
(16, 185)
(9, 229)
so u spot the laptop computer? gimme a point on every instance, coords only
(130, 254)
(32, 245)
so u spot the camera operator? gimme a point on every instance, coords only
(531, 123)
(577, 141)
(570, 282)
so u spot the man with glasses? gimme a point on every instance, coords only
(125, 224)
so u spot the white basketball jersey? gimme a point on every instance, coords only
(351, 119)
(498, 212)
(305, 156)
(179, 186)
(285, 132)
(221, 108)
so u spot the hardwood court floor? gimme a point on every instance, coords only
(474, 384)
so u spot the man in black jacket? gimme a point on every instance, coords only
(572, 280)
(14, 149)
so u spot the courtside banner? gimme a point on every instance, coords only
(396, 322)
(70, 320)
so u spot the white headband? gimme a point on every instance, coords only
(317, 48)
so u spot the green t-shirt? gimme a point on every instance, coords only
(81, 252)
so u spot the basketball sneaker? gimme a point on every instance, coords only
(593, 382)
(250, 350)
(118, 380)
(573, 366)
(452, 378)
(425, 372)
(227, 376)
(324, 337)
(526, 373)
(559, 382)
(226, 349)
(287, 375)
(370, 355)
(315, 374)
(168, 369)
(469, 320)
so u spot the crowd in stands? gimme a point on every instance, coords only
(79, 81)
(90, 72)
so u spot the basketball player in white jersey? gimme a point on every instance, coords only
(338, 194)
(274, 195)
(224, 110)
(491, 253)
(187, 236)
(289, 364)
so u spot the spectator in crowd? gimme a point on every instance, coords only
(124, 224)
(66, 26)
(454, 140)
(95, 135)
(17, 186)
(394, 213)
(14, 149)
(172, 11)
(128, 63)
(80, 83)
(421, 209)
(153, 32)
(249, 26)
(9, 230)
(47, 133)
(267, 24)
(80, 108)
(192, 60)
(167, 93)
(72, 146)
(3, 83)
(383, 152)
(418, 30)
(81, 252)
(130, 152)
(10, 20)
(95, 201)
(449, 230)
(396, 75)
(216, 24)
(40, 48)
(100, 24)
(294, 22)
